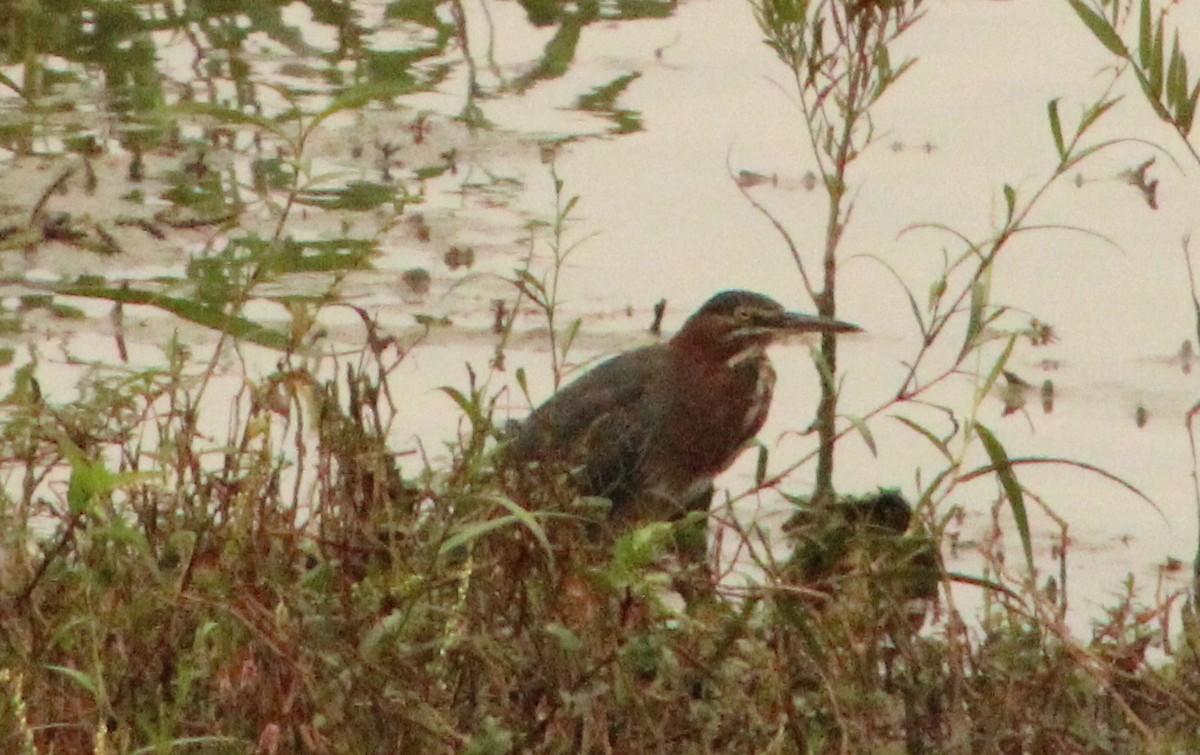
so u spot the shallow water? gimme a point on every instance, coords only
(669, 222)
(967, 119)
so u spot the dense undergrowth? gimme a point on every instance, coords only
(183, 602)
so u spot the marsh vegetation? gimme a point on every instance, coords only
(208, 541)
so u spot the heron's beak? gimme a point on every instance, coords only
(795, 322)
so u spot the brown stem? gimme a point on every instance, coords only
(858, 77)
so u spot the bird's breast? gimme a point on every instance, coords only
(716, 407)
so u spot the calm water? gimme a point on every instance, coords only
(969, 117)
(660, 217)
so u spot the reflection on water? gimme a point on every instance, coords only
(189, 137)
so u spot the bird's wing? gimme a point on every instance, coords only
(599, 425)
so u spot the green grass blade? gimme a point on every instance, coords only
(935, 441)
(1100, 28)
(187, 309)
(1144, 41)
(864, 431)
(1012, 490)
(1059, 145)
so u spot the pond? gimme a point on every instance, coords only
(661, 118)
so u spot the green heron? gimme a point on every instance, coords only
(649, 429)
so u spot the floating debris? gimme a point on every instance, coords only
(499, 316)
(137, 165)
(420, 227)
(1050, 590)
(419, 128)
(432, 321)
(386, 151)
(1014, 393)
(928, 147)
(748, 179)
(1048, 396)
(459, 256)
(1137, 177)
(1041, 333)
(417, 280)
(659, 310)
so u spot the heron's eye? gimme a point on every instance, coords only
(742, 314)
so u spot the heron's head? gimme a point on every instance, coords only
(733, 321)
